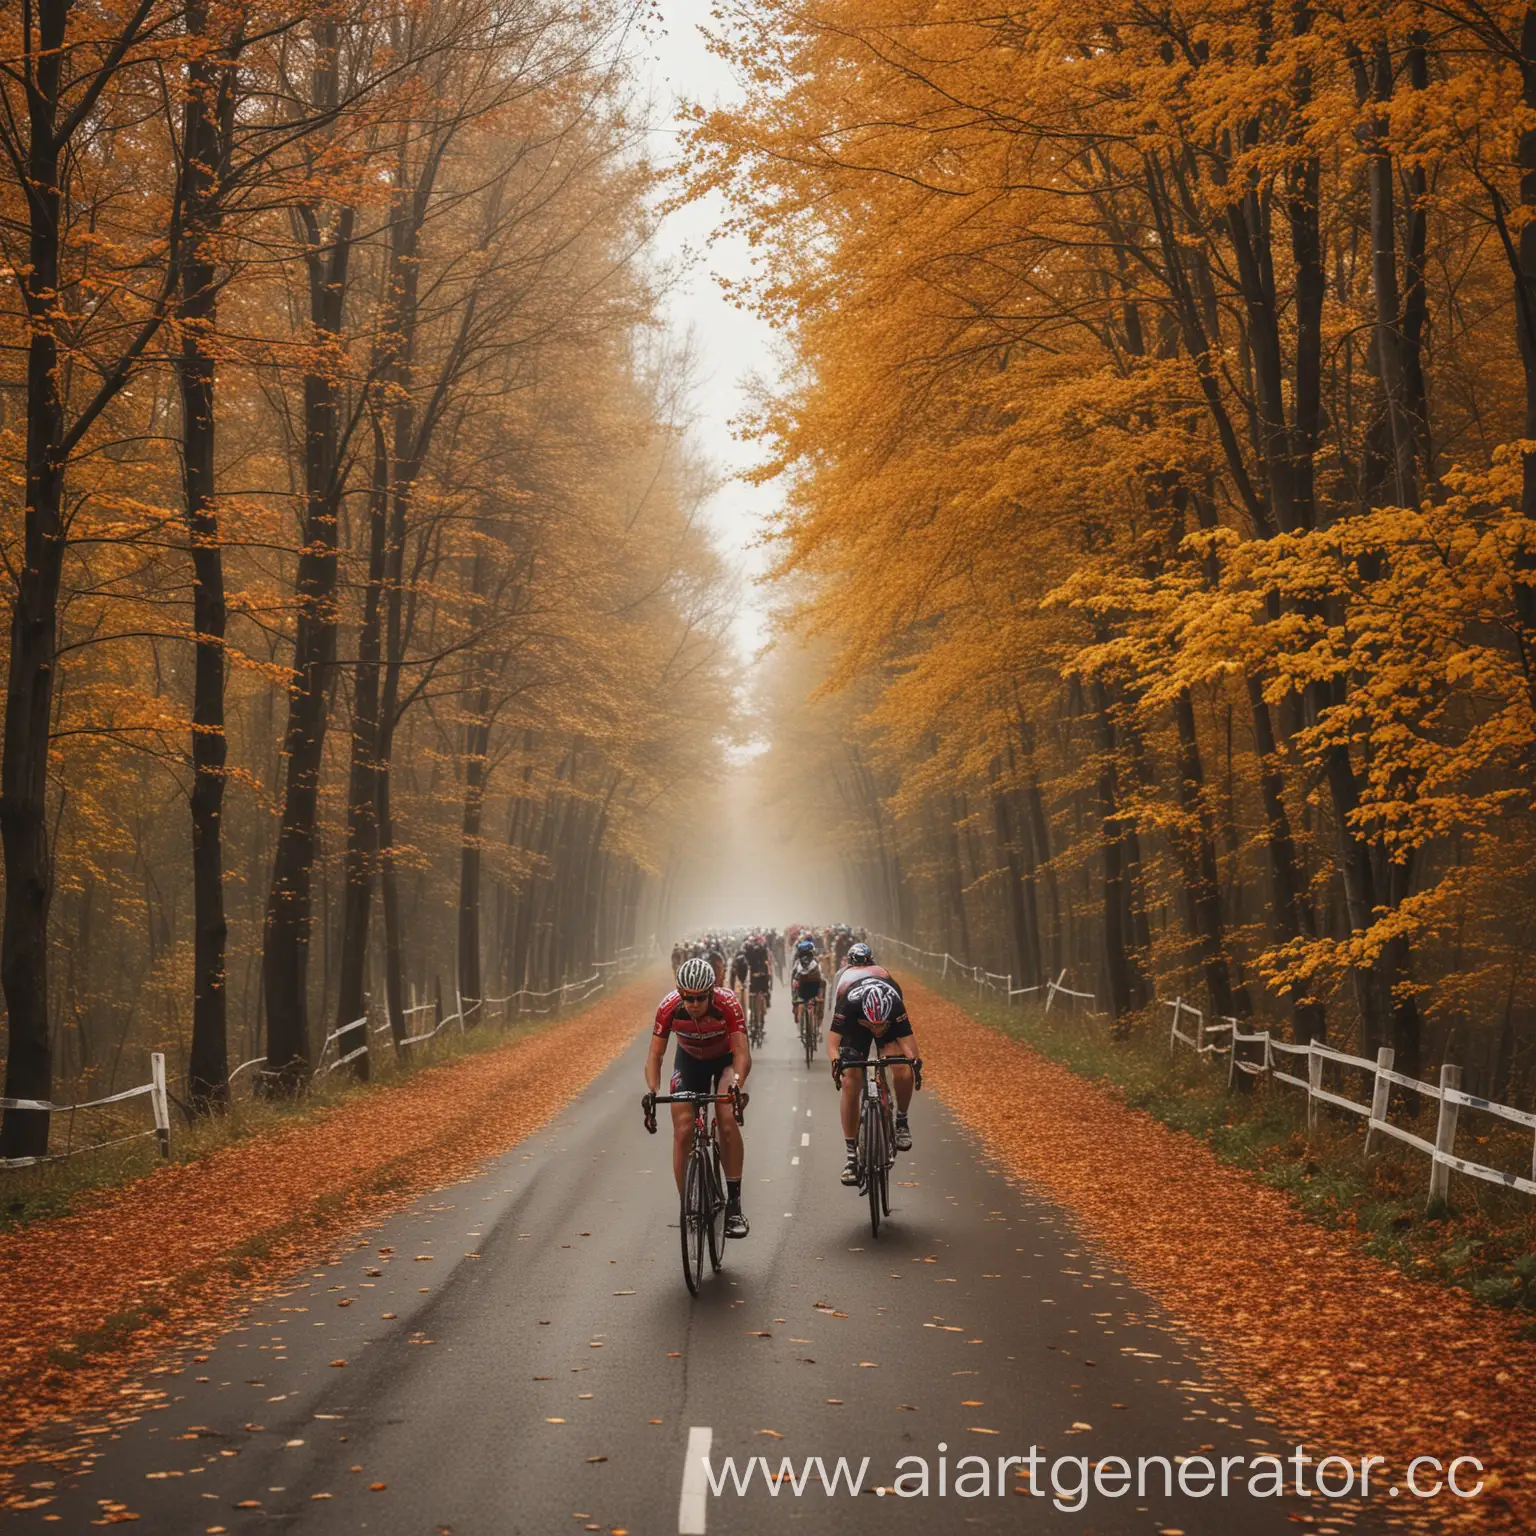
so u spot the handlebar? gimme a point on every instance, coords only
(733, 1096)
(839, 1066)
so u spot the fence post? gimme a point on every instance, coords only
(1445, 1136)
(1173, 1031)
(160, 1102)
(1381, 1093)
(1010, 989)
(1314, 1082)
(1232, 1068)
(944, 974)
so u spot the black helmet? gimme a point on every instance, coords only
(860, 954)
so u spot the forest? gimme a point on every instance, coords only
(359, 613)
(1160, 465)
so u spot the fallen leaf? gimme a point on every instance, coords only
(776, 1435)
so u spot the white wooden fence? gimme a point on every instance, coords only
(497, 1009)
(1448, 1093)
(422, 1022)
(944, 965)
(154, 1090)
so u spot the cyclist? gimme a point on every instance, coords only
(738, 977)
(855, 957)
(759, 969)
(712, 1053)
(716, 958)
(807, 985)
(869, 1008)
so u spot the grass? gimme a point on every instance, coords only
(52, 1190)
(1483, 1242)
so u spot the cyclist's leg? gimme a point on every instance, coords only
(900, 1076)
(732, 1157)
(901, 1081)
(853, 1045)
(688, 1076)
(732, 1149)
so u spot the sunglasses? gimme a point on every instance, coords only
(696, 997)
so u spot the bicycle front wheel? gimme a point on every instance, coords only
(693, 1218)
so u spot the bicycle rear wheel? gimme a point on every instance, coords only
(716, 1198)
(872, 1148)
(692, 1221)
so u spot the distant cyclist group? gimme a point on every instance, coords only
(717, 1014)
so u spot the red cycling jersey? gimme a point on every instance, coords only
(705, 1037)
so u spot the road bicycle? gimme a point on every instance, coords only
(757, 1016)
(701, 1214)
(875, 1145)
(810, 1032)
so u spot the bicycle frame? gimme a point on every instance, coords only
(702, 1204)
(876, 1139)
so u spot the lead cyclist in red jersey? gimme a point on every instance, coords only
(712, 1054)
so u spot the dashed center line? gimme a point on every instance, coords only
(692, 1505)
(805, 1138)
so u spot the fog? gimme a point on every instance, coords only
(754, 861)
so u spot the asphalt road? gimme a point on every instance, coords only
(521, 1356)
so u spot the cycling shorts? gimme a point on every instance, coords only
(808, 988)
(691, 1074)
(761, 981)
(857, 1042)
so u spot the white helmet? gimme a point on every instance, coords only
(878, 1002)
(695, 975)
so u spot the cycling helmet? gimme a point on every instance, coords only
(860, 954)
(805, 947)
(878, 1002)
(695, 975)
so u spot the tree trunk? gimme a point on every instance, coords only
(204, 153)
(34, 621)
(285, 958)
(477, 739)
(1199, 856)
(1117, 960)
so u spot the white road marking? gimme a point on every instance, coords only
(805, 1138)
(793, 1161)
(692, 1506)
(807, 1114)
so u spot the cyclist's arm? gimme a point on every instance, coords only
(653, 1059)
(736, 1034)
(834, 1038)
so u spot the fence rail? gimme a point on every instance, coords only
(511, 1006)
(983, 980)
(1447, 1093)
(154, 1090)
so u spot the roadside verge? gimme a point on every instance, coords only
(87, 1297)
(1338, 1346)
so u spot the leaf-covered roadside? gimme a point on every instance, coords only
(1338, 1346)
(1484, 1244)
(85, 1297)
